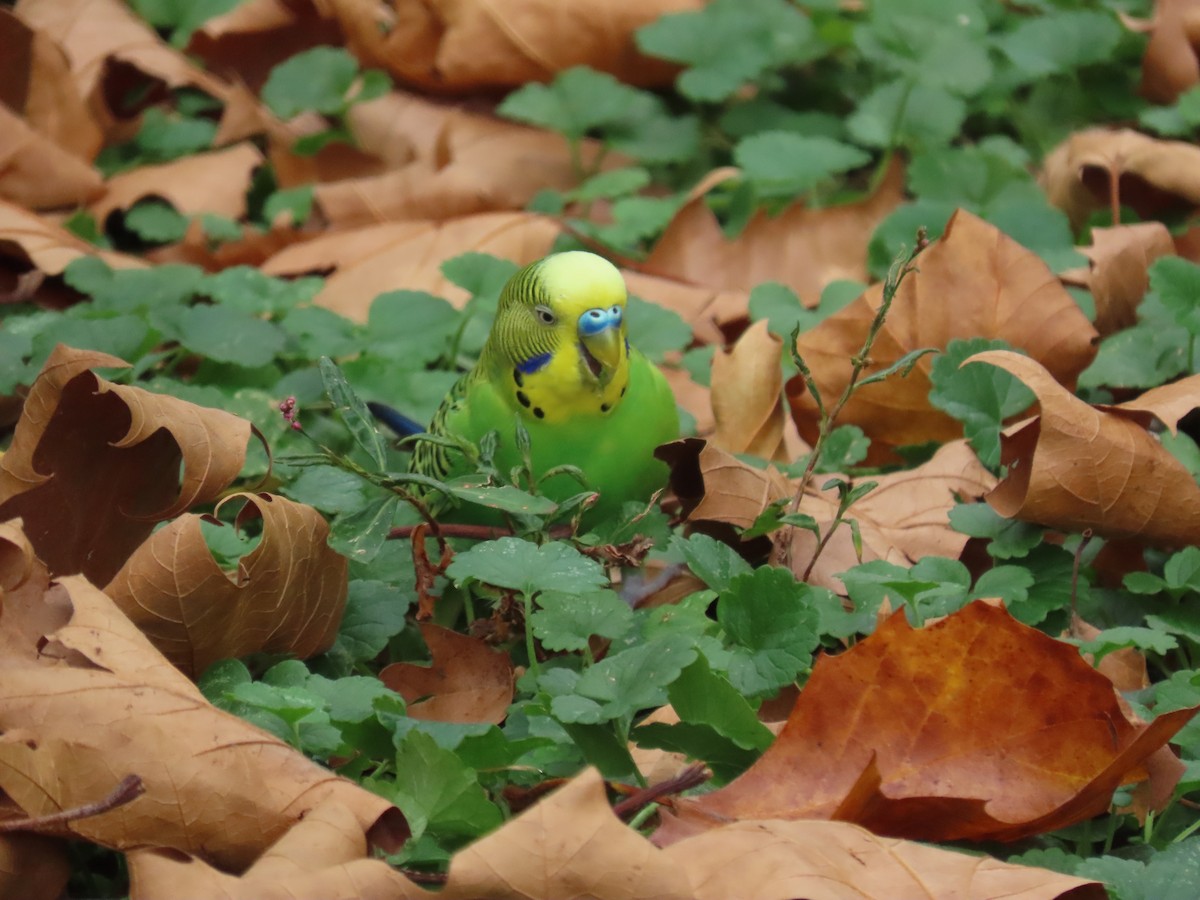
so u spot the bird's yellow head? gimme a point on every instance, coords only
(560, 332)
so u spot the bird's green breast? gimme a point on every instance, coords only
(611, 440)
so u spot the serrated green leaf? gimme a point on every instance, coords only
(771, 626)
(714, 563)
(247, 289)
(1060, 41)
(375, 613)
(156, 222)
(523, 566)
(320, 79)
(296, 203)
(782, 164)
(703, 697)
(567, 621)
(437, 793)
(636, 678)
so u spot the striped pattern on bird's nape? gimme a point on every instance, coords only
(536, 348)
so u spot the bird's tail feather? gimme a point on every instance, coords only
(401, 424)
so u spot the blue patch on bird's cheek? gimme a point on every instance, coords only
(533, 364)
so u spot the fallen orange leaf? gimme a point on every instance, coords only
(747, 395)
(1169, 66)
(32, 867)
(887, 735)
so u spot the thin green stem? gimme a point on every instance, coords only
(530, 648)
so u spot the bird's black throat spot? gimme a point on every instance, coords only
(518, 378)
(605, 407)
(523, 399)
(593, 364)
(539, 412)
(624, 389)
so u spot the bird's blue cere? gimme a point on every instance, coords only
(595, 321)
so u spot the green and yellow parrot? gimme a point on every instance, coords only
(559, 361)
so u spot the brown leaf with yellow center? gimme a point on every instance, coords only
(467, 681)
(1100, 168)
(887, 735)
(90, 700)
(287, 596)
(1119, 274)
(458, 45)
(973, 282)
(94, 465)
(803, 248)
(1077, 467)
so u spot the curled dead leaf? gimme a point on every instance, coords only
(32, 867)
(467, 681)
(1170, 64)
(974, 281)
(1100, 168)
(1119, 274)
(886, 735)
(1077, 467)
(747, 395)
(287, 596)
(82, 441)
(321, 857)
(92, 700)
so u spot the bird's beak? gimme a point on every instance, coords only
(602, 341)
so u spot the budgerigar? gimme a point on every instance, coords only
(558, 359)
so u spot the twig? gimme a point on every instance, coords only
(903, 265)
(129, 789)
(690, 777)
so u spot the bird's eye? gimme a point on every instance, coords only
(545, 315)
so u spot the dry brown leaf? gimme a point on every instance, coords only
(658, 765)
(287, 596)
(253, 248)
(92, 701)
(974, 281)
(747, 395)
(44, 94)
(693, 397)
(443, 161)
(887, 735)
(457, 45)
(701, 307)
(1077, 467)
(214, 182)
(321, 857)
(467, 681)
(803, 248)
(1118, 278)
(1099, 168)
(1170, 66)
(838, 861)
(715, 486)
(568, 845)
(39, 174)
(94, 34)
(366, 262)
(571, 845)
(32, 867)
(1168, 403)
(48, 247)
(94, 465)
(903, 520)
